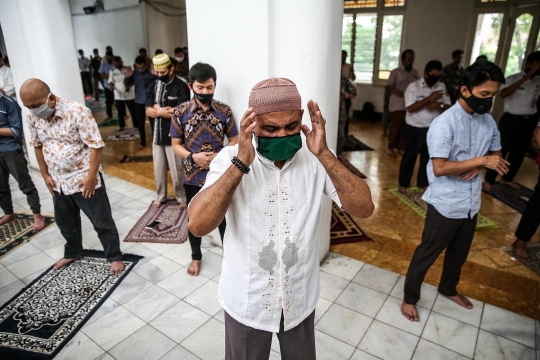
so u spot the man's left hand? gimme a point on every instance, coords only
(316, 137)
(470, 174)
(89, 186)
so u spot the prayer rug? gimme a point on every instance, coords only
(414, 200)
(351, 167)
(111, 122)
(124, 135)
(42, 318)
(344, 229)
(172, 227)
(95, 106)
(353, 144)
(136, 159)
(18, 231)
(534, 253)
(516, 199)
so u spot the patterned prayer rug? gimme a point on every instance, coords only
(124, 135)
(18, 231)
(534, 253)
(353, 144)
(136, 159)
(516, 199)
(344, 229)
(38, 321)
(351, 167)
(414, 200)
(172, 228)
(111, 122)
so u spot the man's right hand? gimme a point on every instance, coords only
(50, 183)
(496, 163)
(203, 159)
(436, 95)
(246, 151)
(129, 71)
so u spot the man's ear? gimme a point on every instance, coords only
(465, 91)
(52, 100)
(189, 86)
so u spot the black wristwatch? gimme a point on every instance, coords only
(190, 158)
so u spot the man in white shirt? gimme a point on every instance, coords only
(519, 119)
(7, 86)
(398, 81)
(425, 99)
(269, 188)
(123, 95)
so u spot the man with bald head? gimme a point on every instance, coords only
(269, 187)
(68, 149)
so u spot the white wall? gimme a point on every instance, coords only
(166, 32)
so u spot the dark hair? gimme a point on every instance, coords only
(533, 57)
(343, 52)
(480, 72)
(96, 50)
(178, 50)
(405, 52)
(140, 60)
(142, 49)
(456, 53)
(158, 51)
(81, 50)
(201, 72)
(117, 58)
(433, 65)
(481, 57)
(109, 53)
(108, 46)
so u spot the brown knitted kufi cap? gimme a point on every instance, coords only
(275, 94)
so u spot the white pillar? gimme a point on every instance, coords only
(255, 40)
(39, 39)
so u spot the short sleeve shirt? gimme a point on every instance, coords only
(400, 79)
(523, 100)
(201, 131)
(67, 141)
(418, 91)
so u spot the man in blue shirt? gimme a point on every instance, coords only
(12, 161)
(457, 141)
(104, 69)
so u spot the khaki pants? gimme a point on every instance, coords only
(164, 158)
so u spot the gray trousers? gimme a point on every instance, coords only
(246, 343)
(164, 158)
(14, 163)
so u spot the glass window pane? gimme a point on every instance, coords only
(364, 53)
(394, 3)
(346, 35)
(390, 44)
(486, 38)
(518, 46)
(359, 4)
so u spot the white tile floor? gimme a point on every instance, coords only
(159, 312)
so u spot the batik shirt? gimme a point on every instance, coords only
(201, 131)
(347, 88)
(271, 246)
(451, 77)
(67, 141)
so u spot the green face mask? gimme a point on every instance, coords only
(279, 148)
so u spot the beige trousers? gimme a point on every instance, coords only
(164, 158)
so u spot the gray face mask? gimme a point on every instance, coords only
(43, 111)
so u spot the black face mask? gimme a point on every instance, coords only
(164, 78)
(478, 105)
(432, 80)
(204, 98)
(408, 68)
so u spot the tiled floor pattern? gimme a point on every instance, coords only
(159, 312)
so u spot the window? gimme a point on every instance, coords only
(486, 39)
(537, 47)
(372, 38)
(518, 46)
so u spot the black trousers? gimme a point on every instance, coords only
(140, 118)
(87, 82)
(530, 220)
(415, 144)
(121, 108)
(440, 232)
(14, 163)
(195, 241)
(348, 104)
(109, 101)
(246, 343)
(516, 134)
(67, 213)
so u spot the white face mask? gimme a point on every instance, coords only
(43, 111)
(179, 58)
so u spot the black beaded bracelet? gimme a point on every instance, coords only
(240, 165)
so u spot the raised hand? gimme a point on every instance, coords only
(246, 151)
(436, 95)
(316, 137)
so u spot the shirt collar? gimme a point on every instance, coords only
(195, 105)
(462, 111)
(58, 109)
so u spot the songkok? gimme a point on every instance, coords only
(275, 94)
(161, 61)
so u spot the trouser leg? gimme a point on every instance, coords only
(130, 104)
(530, 220)
(348, 104)
(177, 171)
(395, 130)
(194, 241)
(507, 128)
(6, 203)
(413, 145)
(96, 89)
(121, 109)
(18, 168)
(518, 147)
(422, 178)
(160, 171)
(298, 342)
(341, 137)
(109, 100)
(68, 219)
(140, 115)
(246, 343)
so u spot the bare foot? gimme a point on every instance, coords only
(519, 247)
(194, 268)
(486, 186)
(512, 184)
(182, 206)
(7, 218)
(156, 204)
(460, 300)
(62, 263)
(409, 311)
(116, 267)
(39, 222)
(402, 190)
